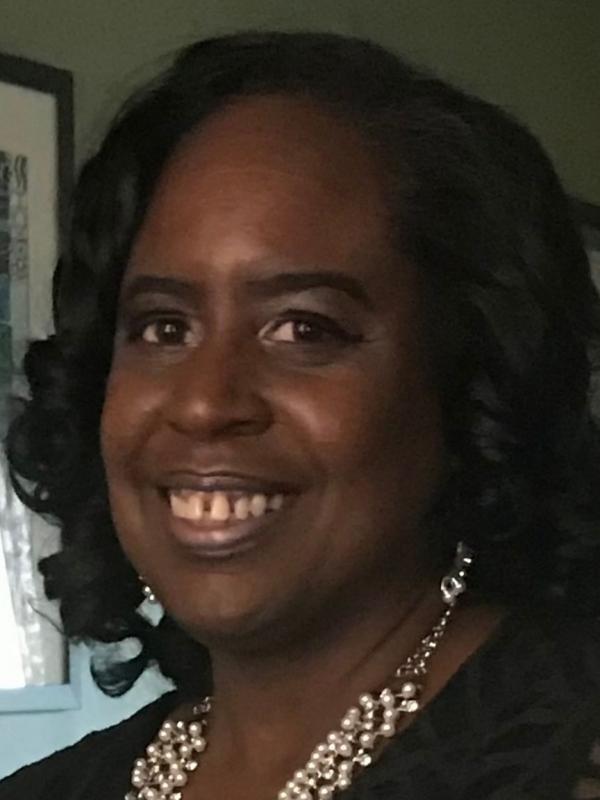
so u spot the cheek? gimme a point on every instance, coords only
(360, 419)
(129, 408)
(378, 440)
(375, 440)
(127, 418)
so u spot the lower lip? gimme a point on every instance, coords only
(222, 540)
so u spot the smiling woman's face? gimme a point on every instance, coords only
(270, 435)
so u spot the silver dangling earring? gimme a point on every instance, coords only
(147, 592)
(454, 583)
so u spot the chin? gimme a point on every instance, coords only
(221, 613)
(236, 619)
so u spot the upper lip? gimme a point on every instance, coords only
(224, 480)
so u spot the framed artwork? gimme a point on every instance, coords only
(36, 163)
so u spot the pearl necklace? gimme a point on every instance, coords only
(173, 755)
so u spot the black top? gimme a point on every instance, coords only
(519, 721)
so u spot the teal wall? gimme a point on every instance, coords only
(29, 736)
(539, 58)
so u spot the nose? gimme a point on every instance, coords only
(215, 392)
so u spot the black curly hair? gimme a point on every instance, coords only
(513, 323)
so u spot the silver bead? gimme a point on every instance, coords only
(148, 594)
(344, 749)
(195, 728)
(408, 690)
(387, 698)
(180, 778)
(367, 739)
(350, 719)
(387, 729)
(325, 792)
(138, 780)
(140, 771)
(185, 750)
(203, 707)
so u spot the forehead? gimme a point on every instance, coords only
(274, 176)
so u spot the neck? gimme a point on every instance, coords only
(258, 696)
(270, 711)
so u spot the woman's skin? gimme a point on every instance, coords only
(270, 342)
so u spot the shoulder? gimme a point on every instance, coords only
(532, 699)
(98, 760)
(549, 650)
(539, 673)
(520, 719)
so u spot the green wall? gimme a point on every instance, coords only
(539, 58)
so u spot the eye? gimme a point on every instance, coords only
(306, 328)
(164, 332)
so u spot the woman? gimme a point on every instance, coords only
(323, 337)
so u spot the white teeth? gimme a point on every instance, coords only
(258, 505)
(219, 507)
(276, 502)
(187, 505)
(241, 508)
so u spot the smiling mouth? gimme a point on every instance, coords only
(218, 524)
(221, 506)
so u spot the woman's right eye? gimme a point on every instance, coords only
(164, 332)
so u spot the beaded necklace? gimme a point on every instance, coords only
(165, 769)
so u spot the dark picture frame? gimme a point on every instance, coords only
(36, 126)
(36, 178)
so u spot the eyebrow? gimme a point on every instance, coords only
(268, 287)
(155, 284)
(289, 282)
